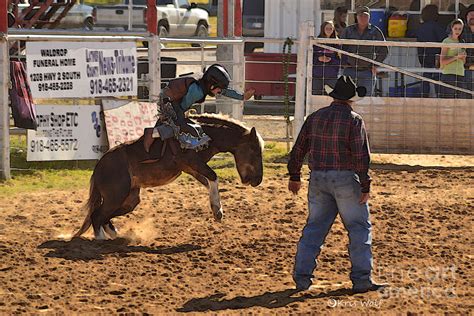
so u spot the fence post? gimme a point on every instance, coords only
(4, 111)
(225, 52)
(151, 17)
(239, 67)
(154, 71)
(239, 79)
(306, 29)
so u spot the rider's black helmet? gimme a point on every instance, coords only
(216, 76)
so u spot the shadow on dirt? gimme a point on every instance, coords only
(84, 250)
(269, 300)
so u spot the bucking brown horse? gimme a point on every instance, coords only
(118, 176)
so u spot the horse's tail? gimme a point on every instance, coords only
(94, 201)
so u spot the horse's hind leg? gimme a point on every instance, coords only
(131, 201)
(101, 217)
(113, 180)
(110, 229)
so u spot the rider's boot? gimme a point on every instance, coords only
(162, 131)
(193, 143)
(148, 138)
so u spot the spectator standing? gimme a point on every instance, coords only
(363, 72)
(340, 18)
(467, 14)
(468, 36)
(452, 62)
(413, 22)
(429, 31)
(326, 62)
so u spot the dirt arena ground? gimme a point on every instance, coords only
(172, 257)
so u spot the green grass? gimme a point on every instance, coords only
(74, 175)
(40, 180)
(39, 175)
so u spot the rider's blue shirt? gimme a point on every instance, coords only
(230, 93)
(195, 94)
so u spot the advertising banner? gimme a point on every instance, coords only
(67, 133)
(81, 69)
(126, 122)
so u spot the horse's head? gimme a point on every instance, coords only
(248, 158)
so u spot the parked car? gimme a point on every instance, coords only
(79, 16)
(175, 17)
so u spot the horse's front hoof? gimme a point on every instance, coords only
(218, 213)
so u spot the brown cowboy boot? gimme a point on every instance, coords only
(158, 151)
(148, 139)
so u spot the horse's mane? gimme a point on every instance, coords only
(221, 120)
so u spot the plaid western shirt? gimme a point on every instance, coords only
(336, 139)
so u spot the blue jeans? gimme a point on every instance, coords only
(426, 86)
(363, 78)
(454, 80)
(332, 192)
(469, 77)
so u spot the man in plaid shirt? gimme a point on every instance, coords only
(339, 158)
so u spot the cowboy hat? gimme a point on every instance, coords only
(345, 89)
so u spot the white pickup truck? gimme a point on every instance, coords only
(176, 18)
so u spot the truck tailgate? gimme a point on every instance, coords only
(116, 16)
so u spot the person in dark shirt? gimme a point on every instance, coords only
(336, 141)
(363, 72)
(429, 31)
(326, 62)
(340, 18)
(468, 37)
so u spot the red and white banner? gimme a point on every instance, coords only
(126, 122)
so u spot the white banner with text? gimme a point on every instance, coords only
(81, 69)
(67, 133)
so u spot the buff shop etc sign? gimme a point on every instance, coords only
(67, 133)
(81, 70)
